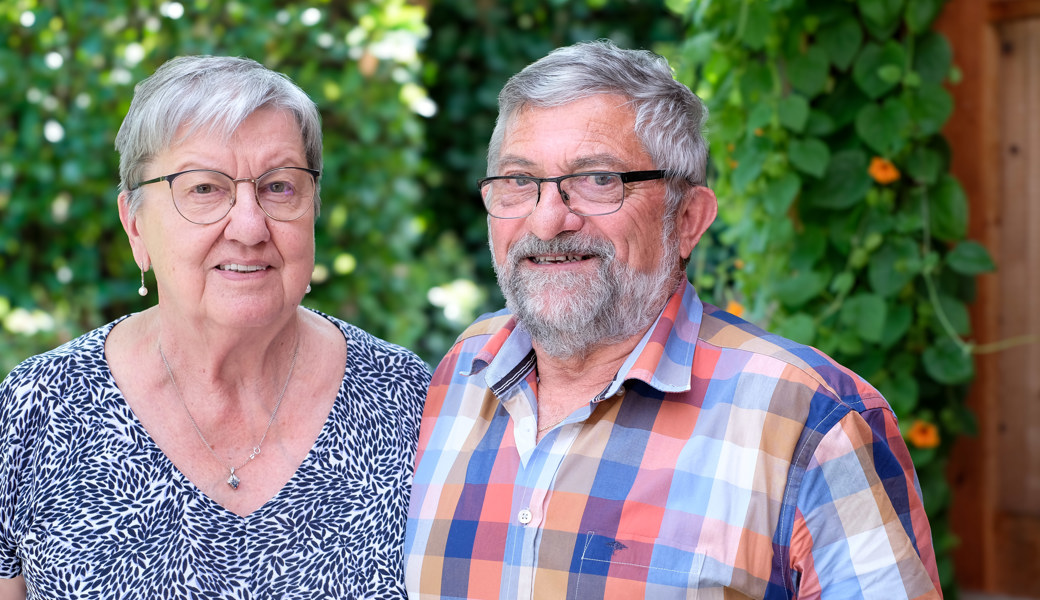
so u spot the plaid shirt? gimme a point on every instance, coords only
(721, 462)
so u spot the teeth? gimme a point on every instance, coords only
(557, 259)
(241, 268)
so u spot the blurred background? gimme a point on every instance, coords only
(874, 162)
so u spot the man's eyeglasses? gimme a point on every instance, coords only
(586, 194)
(203, 196)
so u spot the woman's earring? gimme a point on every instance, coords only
(308, 290)
(143, 291)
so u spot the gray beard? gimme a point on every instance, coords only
(571, 314)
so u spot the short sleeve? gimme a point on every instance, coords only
(12, 441)
(860, 530)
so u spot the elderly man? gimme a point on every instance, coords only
(609, 435)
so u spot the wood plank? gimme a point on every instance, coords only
(1009, 10)
(973, 133)
(1019, 488)
(1020, 535)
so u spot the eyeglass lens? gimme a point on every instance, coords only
(206, 196)
(586, 194)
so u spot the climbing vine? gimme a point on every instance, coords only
(840, 225)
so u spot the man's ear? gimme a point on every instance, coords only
(133, 232)
(696, 214)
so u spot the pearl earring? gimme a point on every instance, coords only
(308, 290)
(143, 291)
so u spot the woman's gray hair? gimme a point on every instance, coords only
(669, 117)
(219, 92)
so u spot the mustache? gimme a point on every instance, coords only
(565, 243)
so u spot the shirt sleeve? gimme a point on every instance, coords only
(860, 529)
(10, 459)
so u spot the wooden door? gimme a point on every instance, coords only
(995, 136)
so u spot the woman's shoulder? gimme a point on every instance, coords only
(83, 353)
(369, 348)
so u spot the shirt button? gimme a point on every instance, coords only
(524, 516)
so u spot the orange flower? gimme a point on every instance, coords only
(923, 434)
(738, 263)
(735, 308)
(883, 171)
(758, 132)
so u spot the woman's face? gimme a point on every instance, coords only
(245, 270)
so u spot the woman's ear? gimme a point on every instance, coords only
(133, 232)
(696, 214)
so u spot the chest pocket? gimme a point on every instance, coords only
(637, 567)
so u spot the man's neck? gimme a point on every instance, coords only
(585, 375)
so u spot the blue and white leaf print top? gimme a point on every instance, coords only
(90, 507)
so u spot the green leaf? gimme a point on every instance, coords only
(808, 71)
(808, 248)
(780, 193)
(841, 41)
(956, 315)
(757, 82)
(799, 327)
(794, 112)
(970, 258)
(843, 282)
(890, 73)
(881, 13)
(930, 107)
(924, 165)
(697, 49)
(921, 13)
(893, 266)
(820, 124)
(948, 210)
(760, 116)
(900, 317)
(757, 26)
(843, 104)
(799, 288)
(901, 391)
(865, 313)
(809, 156)
(933, 57)
(883, 127)
(750, 155)
(843, 185)
(868, 67)
(946, 362)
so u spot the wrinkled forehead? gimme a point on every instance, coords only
(593, 133)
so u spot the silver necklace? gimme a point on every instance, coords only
(233, 479)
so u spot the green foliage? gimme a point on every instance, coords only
(840, 225)
(68, 71)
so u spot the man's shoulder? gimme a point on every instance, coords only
(486, 325)
(723, 330)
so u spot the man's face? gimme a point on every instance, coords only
(573, 281)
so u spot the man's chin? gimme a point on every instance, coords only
(552, 299)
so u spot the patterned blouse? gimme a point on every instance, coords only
(90, 507)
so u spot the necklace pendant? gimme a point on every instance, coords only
(233, 481)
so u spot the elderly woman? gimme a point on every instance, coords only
(225, 442)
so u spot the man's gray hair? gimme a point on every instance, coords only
(218, 92)
(669, 117)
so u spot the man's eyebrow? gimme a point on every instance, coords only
(512, 160)
(592, 162)
(597, 162)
